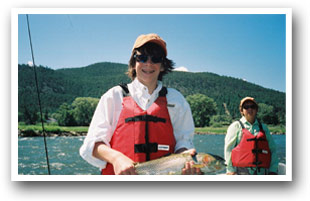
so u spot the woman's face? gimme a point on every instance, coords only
(147, 71)
(249, 111)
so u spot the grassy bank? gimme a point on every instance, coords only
(51, 130)
(36, 130)
(211, 130)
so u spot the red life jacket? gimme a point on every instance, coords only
(252, 151)
(142, 135)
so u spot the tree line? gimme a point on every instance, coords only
(204, 111)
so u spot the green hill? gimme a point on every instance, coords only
(64, 85)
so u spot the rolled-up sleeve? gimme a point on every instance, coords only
(102, 126)
(181, 119)
(230, 143)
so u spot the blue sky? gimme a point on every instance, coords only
(250, 47)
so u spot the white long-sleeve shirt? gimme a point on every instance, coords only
(109, 108)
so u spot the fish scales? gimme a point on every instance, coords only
(173, 164)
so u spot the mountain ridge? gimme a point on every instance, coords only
(64, 85)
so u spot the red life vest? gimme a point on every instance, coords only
(252, 151)
(142, 135)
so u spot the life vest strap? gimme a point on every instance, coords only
(146, 148)
(125, 89)
(255, 151)
(145, 118)
(241, 124)
(162, 93)
(259, 125)
(257, 163)
(256, 139)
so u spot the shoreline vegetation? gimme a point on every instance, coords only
(54, 130)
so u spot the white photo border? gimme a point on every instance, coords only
(14, 93)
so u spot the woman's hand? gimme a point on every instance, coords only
(123, 166)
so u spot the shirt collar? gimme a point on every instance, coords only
(244, 121)
(138, 85)
(143, 89)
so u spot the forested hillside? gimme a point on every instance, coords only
(224, 90)
(64, 85)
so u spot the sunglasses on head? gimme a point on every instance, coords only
(142, 58)
(249, 106)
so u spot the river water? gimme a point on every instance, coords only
(64, 155)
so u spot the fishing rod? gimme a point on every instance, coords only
(39, 99)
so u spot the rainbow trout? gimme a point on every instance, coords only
(173, 164)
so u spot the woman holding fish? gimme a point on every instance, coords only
(143, 120)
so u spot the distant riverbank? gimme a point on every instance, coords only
(274, 130)
(53, 130)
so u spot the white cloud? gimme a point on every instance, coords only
(182, 68)
(30, 63)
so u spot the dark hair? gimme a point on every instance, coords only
(151, 49)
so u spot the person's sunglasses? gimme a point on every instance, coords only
(143, 58)
(249, 106)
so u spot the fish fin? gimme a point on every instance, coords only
(194, 157)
